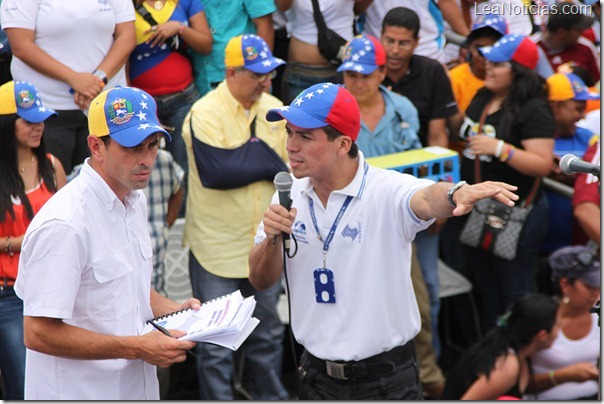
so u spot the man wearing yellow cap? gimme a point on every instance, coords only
(85, 269)
(226, 201)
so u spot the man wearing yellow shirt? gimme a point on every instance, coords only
(468, 77)
(225, 203)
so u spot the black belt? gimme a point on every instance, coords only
(375, 366)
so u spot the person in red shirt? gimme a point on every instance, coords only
(562, 41)
(586, 201)
(28, 178)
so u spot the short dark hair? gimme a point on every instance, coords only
(333, 134)
(106, 140)
(484, 32)
(402, 17)
(567, 15)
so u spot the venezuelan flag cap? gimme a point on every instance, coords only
(22, 98)
(321, 105)
(252, 53)
(363, 55)
(127, 114)
(518, 48)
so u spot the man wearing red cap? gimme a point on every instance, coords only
(352, 302)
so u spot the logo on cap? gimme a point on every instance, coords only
(25, 99)
(251, 53)
(120, 111)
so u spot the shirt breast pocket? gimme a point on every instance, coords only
(109, 292)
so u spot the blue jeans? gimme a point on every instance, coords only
(298, 77)
(427, 255)
(263, 349)
(501, 282)
(171, 111)
(12, 349)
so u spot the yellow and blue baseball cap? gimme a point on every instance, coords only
(251, 53)
(569, 86)
(127, 114)
(22, 98)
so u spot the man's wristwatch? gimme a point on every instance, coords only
(453, 189)
(101, 75)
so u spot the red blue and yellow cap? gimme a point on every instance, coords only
(569, 86)
(251, 53)
(22, 98)
(518, 48)
(363, 55)
(321, 105)
(127, 114)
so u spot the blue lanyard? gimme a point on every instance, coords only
(333, 226)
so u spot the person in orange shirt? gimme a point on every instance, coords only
(28, 178)
(468, 77)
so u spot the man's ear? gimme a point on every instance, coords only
(95, 144)
(345, 144)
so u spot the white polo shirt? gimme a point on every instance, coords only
(370, 258)
(86, 259)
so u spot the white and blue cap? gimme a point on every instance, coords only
(492, 21)
(127, 114)
(22, 98)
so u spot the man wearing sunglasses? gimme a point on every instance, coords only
(221, 218)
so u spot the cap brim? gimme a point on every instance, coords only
(357, 68)
(37, 115)
(586, 96)
(493, 54)
(263, 67)
(591, 279)
(296, 116)
(134, 136)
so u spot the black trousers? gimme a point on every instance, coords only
(402, 383)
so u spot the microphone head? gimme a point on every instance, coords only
(283, 181)
(565, 163)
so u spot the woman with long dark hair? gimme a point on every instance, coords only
(568, 370)
(510, 129)
(28, 178)
(499, 364)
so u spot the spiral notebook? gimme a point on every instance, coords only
(226, 321)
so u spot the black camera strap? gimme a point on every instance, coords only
(145, 14)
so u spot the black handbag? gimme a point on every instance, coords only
(493, 226)
(234, 168)
(331, 45)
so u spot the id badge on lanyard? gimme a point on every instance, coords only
(325, 290)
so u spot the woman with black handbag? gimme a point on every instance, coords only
(509, 128)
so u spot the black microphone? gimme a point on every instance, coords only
(569, 163)
(283, 182)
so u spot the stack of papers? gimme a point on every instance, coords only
(226, 321)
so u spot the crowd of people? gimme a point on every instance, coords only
(117, 117)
